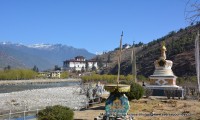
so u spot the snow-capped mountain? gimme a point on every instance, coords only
(44, 56)
(40, 46)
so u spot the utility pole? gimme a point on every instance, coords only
(133, 61)
(119, 58)
(197, 60)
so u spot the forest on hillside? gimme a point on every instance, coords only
(180, 49)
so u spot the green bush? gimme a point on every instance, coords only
(64, 75)
(128, 82)
(141, 78)
(105, 78)
(136, 91)
(97, 77)
(56, 113)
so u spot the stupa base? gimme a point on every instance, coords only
(166, 90)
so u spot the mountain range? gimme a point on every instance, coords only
(179, 44)
(44, 56)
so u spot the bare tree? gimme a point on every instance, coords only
(192, 11)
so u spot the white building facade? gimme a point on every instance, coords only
(50, 74)
(79, 64)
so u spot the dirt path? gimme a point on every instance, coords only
(90, 113)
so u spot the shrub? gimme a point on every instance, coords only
(56, 113)
(141, 78)
(64, 75)
(136, 92)
(148, 92)
(97, 77)
(125, 82)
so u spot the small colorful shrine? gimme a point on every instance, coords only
(117, 104)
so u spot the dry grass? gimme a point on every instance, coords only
(164, 106)
(148, 106)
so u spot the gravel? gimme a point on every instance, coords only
(40, 98)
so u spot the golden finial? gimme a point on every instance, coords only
(163, 49)
(163, 46)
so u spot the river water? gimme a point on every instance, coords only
(7, 88)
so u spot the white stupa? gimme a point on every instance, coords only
(163, 77)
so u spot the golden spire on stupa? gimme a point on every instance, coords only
(163, 49)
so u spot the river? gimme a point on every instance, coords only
(12, 86)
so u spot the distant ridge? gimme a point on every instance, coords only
(44, 56)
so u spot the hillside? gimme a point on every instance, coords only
(9, 60)
(44, 56)
(180, 49)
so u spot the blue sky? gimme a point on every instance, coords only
(95, 25)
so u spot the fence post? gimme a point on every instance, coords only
(86, 103)
(21, 112)
(10, 115)
(37, 111)
(25, 115)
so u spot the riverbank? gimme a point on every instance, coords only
(14, 82)
(40, 98)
